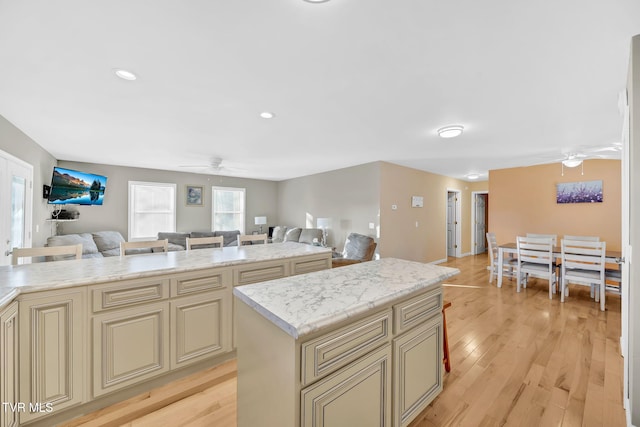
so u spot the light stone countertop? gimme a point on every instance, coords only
(300, 305)
(44, 276)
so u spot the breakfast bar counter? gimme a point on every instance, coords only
(356, 345)
(79, 335)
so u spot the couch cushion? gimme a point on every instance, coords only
(89, 248)
(108, 242)
(230, 237)
(174, 238)
(308, 234)
(293, 235)
(203, 234)
(277, 236)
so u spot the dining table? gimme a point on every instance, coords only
(511, 249)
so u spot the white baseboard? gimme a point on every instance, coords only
(438, 261)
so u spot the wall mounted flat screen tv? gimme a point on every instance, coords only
(69, 187)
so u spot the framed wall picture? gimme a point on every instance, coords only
(579, 192)
(195, 195)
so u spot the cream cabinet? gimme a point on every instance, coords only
(357, 395)
(129, 346)
(9, 365)
(52, 350)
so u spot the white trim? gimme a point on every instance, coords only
(439, 261)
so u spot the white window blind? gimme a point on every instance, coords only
(228, 209)
(152, 208)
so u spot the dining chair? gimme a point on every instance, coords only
(138, 247)
(583, 263)
(204, 242)
(245, 238)
(74, 252)
(553, 237)
(508, 265)
(582, 238)
(535, 258)
(613, 275)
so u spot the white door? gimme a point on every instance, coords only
(481, 223)
(451, 224)
(626, 250)
(16, 195)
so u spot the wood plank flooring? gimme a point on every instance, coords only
(516, 360)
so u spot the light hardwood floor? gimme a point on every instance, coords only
(516, 359)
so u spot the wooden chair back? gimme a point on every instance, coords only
(242, 238)
(582, 238)
(17, 253)
(144, 244)
(583, 262)
(553, 237)
(198, 241)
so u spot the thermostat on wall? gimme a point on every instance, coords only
(417, 202)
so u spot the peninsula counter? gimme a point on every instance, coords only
(356, 345)
(79, 335)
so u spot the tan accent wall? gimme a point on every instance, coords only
(523, 200)
(426, 242)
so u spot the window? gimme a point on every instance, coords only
(152, 208)
(228, 209)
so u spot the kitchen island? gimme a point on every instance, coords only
(357, 345)
(79, 335)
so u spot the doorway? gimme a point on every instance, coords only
(16, 203)
(480, 221)
(453, 223)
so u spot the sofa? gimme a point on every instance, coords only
(94, 245)
(282, 233)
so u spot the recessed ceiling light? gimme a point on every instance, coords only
(450, 131)
(125, 75)
(267, 115)
(316, 1)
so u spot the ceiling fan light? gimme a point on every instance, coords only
(450, 131)
(572, 163)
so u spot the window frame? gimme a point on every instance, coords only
(213, 206)
(131, 213)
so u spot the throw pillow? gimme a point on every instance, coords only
(293, 235)
(278, 234)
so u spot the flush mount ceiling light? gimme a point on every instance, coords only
(473, 176)
(450, 131)
(267, 115)
(125, 75)
(316, 1)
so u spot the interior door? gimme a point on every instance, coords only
(481, 223)
(16, 195)
(451, 224)
(626, 247)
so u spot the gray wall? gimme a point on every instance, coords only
(112, 215)
(19, 145)
(349, 196)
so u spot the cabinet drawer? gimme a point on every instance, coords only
(260, 272)
(200, 281)
(416, 310)
(306, 265)
(336, 349)
(127, 293)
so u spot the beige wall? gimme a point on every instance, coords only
(523, 200)
(112, 215)
(349, 196)
(426, 242)
(19, 145)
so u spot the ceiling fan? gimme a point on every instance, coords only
(214, 166)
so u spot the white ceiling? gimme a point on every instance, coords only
(350, 81)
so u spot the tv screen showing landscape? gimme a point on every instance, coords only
(69, 187)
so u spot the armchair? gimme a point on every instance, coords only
(357, 248)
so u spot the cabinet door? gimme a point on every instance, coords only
(130, 346)
(357, 395)
(417, 370)
(200, 327)
(52, 351)
(9, 365)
